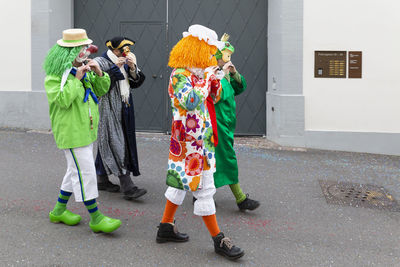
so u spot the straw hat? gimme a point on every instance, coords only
(73, 38)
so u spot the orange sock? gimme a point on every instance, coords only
(169, 212)
(212, 224)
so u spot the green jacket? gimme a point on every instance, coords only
(227, 168)
(69, 115)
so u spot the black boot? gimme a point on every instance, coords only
(104, 184)
(167, 232)
(248, 204)
(128, 187)
(223, 246)
(134, 193)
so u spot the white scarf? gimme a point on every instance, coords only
(124, 86)
(198, 72)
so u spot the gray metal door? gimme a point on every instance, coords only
(246, 22)
(144, 22)
(150, 99)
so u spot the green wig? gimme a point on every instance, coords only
(59, 59)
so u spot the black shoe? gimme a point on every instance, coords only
(134, 193)
(248, 204)
(167, 232)
(223, 246)
(108, 186)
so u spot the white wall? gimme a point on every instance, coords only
(49, 19)
(15, 45)
(370, 104)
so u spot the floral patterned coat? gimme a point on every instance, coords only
(192, 144)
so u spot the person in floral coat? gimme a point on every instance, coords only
(194, 89)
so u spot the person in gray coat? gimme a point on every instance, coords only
(117, 152)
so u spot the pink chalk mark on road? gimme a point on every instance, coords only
(234, 221)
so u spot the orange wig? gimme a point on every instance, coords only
(190, 52)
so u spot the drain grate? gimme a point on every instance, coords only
(358, 195)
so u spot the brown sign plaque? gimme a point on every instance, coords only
(330, 64)
(355, 64)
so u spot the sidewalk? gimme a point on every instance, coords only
(294, 225)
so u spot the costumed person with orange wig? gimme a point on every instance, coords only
(194, 88)
(73, 88)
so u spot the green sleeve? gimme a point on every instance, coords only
(101, 85)
(62, 98)
(238, 83)
(227, 90)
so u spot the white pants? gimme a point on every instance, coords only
(204, 205)
(81, 173)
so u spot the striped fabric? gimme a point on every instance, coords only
(79, 173)
(91, 205)
(64, 197)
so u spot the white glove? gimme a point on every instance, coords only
(133, 57)
(220, 75)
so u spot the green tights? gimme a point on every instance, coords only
(237, 192)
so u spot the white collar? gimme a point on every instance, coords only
(198, 72)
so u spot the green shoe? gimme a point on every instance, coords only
(66, 217)
(106, 225)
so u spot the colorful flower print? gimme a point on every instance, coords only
(174, 180)
(183, 71)
(177, 105)
(198, 144)
(177, 150)
(190, 138)
(209, 140)
(178, 81)
(192, 100)
(178, 131)
(215, 86)
(170, 90)
(202, 109)
(194, 184)
(197, 82)
(194, 164)
(206, 165)
(192, 123)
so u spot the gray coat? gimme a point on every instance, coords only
(117, 152)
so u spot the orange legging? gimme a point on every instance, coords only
(210, 221)
(212, 224)
(169, 212)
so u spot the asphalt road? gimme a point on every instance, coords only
(294, 225)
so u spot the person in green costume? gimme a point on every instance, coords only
(72, 89)
(233, 84)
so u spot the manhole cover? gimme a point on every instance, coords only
(358, 195)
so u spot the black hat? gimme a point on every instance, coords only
(119, 42)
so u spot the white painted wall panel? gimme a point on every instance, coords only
(15, 45)
(370, 104)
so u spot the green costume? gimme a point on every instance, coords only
(74, 119)
(227, 167)
(69, 115)
(226, 163)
